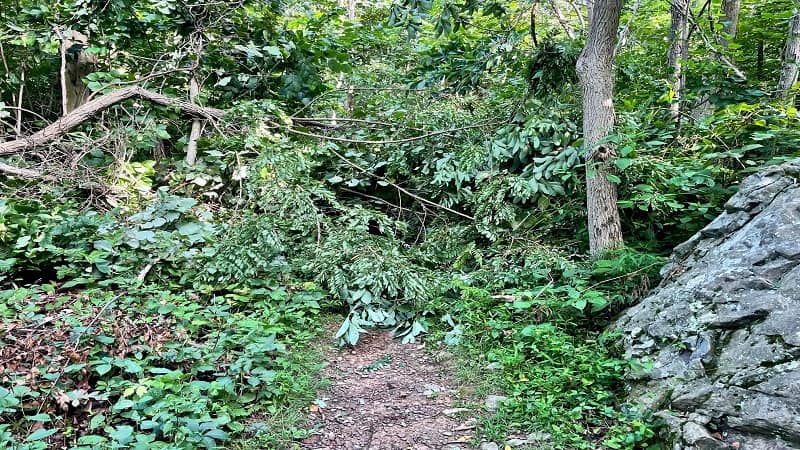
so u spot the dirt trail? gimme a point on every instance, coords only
(385, 396)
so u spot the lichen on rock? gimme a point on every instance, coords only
(721, 334)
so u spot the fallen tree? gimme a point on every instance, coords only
(83, 113)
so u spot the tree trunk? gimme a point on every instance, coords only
(197, 124)
(730, 24)
(350, 7)
(194, 92)
(534, 8)
(78, 64)
(596, 74)
(791, 57)
(678, 53)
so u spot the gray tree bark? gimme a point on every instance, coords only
(678, 53)
(194, 92)
(730, 21)
(596, 74)
(791, 56)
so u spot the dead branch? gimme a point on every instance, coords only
(562, 20)
(84, 112)
(385, 142)
(20, 172)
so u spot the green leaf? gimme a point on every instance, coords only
(97, 420)
(41, 433)
(122, 434)
(189, 228)
(39, 418)
(217, 434)
(623, 163)
(91, 440)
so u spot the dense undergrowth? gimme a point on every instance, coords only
(442, 194)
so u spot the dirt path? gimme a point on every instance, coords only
(384, 396)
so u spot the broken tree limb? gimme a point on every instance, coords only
(20, 172)
(84, 112)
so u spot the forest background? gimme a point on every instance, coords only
(192, 190)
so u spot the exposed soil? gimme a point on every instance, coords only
(385, 395)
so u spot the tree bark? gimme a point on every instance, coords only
(194, 92)
(730, 23)
(678, 53)
(75, 64)
(791, 56)
(532, 30)
(84, 112)
(197, 124)
(596, 74)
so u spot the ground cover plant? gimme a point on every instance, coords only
(192, 191)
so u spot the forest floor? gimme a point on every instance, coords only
(384, 395)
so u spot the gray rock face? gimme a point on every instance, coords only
(720, 338)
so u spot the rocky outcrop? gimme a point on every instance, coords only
(720, 338)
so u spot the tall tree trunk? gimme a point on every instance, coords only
(678, 53)
(791, 56)
(596, 74)
(730, 21)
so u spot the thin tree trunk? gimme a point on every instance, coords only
(596, 74)
(62, 73)
(626, 30)
(579, 14)
(730, 23)
(20, 94)
(760, 60)
(678, 53)
(350, 7)
(194, 92)
(791, 57)
(197, 124)
(562, 20)
(534, 8)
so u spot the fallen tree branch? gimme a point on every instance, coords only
(386, 142)
(84, 112)
(398, 187)
(20, 172)
(721, 57)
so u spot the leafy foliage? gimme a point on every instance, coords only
(421, 164)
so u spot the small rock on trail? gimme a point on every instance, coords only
(382, 397)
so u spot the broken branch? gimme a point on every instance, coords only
(84, 112)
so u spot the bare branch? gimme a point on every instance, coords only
(84, 112)
(386, 142)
